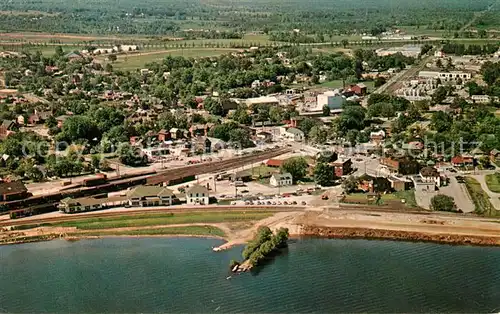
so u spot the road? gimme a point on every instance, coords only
(494, 197)
(476, 16)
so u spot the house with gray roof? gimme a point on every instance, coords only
(281, 179)
(143, 195)
(197, 195)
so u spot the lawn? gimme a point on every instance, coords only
(163, 219)
(137, 61)
(493, 182)
(390, 198)
(189, 230)
(480, 199)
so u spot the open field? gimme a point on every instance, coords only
(493, 182)
(27, 13)
(408, 197)
(162, 219)
(136, 61)
(186, 230)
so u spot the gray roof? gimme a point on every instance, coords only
(197, 189)
(295, 131)
(149, 191)
(282, 176)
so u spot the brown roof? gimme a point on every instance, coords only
(429, 172)
(13, 187)
(274, 163)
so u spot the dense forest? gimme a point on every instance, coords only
(160, 17)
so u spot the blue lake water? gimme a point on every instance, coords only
(184, 275)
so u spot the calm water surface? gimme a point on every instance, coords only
(184, 275)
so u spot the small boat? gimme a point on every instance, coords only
(227, 278)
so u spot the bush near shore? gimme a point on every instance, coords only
(264, 244)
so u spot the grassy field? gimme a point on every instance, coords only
(493, 182)
(137, 61)
(45, 50)
(385, 199)
(163, 219)
(480, 199)
(189, 230)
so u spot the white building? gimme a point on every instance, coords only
(263, 100)
(150, 196)
(332, 99)
(481, 99)
(292, 134)
(408, 51)
(446, 76)
(125, 48)
(283, 179)
(197, 195)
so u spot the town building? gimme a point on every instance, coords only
(7, 128)
(74, 205)
(480, 99)
(143, 196)
(281, 179)
(407, 50)
(446, 76)
(358, 89)
(293, 134)
(342, 166)
(14, 190)
(399, 183)
(377, 137)
(274, 163)
(197, 195)
(430, 175)
(402, 166)
(163, 135)
(332, 99)
(372, 184)
(464, 160)
(494, 155)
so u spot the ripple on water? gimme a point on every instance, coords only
(183, 275)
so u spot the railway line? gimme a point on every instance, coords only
(162, 210)
(48, 200)
(109, 213)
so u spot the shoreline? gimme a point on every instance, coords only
(397, 235)
(337, 224)
(319, 232)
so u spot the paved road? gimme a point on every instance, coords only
(494, 197)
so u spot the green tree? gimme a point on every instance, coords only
(130, 156)
(443, 203)
(96, 161)
(112, 57)
(296, 166)
(324, 174)
(318, 135)
(350, 184)
(326, 111)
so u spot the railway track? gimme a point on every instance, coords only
(224, 208)
(148, 179)
(164, 210)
